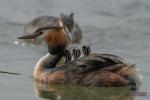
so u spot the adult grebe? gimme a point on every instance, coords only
(45, 21)
(91, 70)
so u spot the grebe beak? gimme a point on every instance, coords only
(38, 32)
(31, 36)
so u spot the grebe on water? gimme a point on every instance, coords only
(45, 21)
(93, 69)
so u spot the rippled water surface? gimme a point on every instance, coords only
(120, 27)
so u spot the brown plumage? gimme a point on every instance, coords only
(57, 38)
(91, 70)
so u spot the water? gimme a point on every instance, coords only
(119, 27)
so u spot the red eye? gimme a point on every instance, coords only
(40, 32)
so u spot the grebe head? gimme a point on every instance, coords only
(68, 21)
(55, 36)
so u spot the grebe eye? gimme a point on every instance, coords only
(40, 32)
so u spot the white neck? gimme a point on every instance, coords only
(41, 65)
(46, 64)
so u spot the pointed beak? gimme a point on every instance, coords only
(31, 36)
(38, 32)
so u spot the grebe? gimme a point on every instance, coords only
(45, 21)
(74, 27)
(93, 69)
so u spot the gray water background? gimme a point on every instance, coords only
(120, 27)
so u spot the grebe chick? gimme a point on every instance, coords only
(93, 69)
(76, 53)
(45, 21)
(67, 55)
(86, 50)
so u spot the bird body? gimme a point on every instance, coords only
(93, 69)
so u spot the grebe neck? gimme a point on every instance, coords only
(46, 63)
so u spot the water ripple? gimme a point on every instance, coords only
(5, 72)
(13, 73)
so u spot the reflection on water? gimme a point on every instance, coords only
(70, 92)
